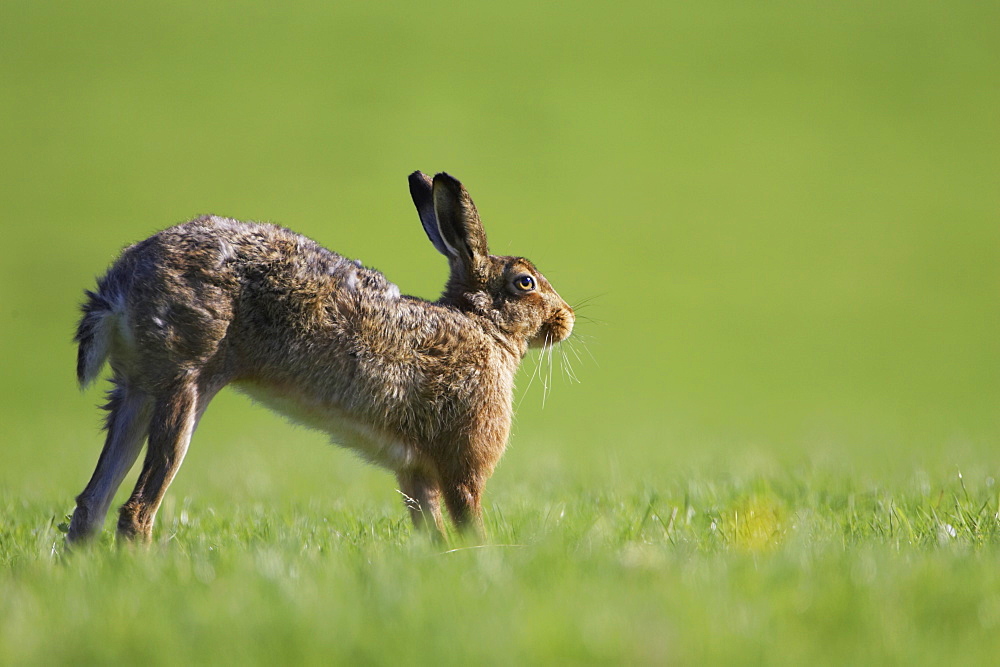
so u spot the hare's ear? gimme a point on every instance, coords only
(458, 224)
(422, 191)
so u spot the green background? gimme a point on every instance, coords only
(784, 219)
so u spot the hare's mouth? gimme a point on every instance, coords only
(555, 330)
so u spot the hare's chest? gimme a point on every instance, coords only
(375, 444)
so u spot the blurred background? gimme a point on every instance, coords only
(784, 217)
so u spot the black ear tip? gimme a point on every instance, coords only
(419, 177)
(449, 181)
(420, 185)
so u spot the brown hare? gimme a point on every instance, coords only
(422, 388)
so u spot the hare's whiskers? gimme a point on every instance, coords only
(572, 348)
(531, 380)
(585, 303)
(544, 374)
(551, 348)
(567, 365)
(582, 339)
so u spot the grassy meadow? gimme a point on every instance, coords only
(783, 223)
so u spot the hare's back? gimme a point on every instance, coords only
(265, 262)
(224, 245)
(251, 256)
(184, 287)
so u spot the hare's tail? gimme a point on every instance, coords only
(94, 334)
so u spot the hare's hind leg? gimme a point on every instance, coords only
(422, 496)
(175, 415)
(127, 424)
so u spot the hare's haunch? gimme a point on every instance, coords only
(422, 388)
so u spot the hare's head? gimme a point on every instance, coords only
(509, 291)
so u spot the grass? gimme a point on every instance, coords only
(755, 569)
(782, 217)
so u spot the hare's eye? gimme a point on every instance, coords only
(524, 283)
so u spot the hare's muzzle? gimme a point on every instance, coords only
(556, 328)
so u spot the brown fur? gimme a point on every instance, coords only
(421, 388)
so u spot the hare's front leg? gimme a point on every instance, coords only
(463, 495)
(175, 415)
(463, 477)
(422, 496)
